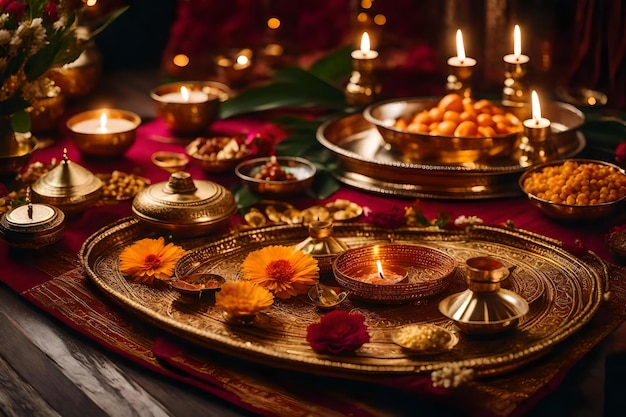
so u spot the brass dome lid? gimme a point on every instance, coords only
(184, 206)
(68, 186)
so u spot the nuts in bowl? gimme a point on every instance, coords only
(219, 153)
(276, 176)
(449, 130)
(575, 189)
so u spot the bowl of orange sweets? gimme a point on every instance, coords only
(452, 129)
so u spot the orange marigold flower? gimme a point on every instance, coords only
(283, 270)
(150, 259)
(243, 298)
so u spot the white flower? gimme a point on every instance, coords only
(60, 24)
(451, 376)
(467, 221)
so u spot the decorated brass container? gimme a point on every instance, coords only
(68, 186)
(322, 245)
(485, 307)
(185, 207)
(32, 226)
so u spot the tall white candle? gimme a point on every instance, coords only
(517, 57)
(460, 60)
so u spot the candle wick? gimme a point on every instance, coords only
(381, 274)
(30, 211)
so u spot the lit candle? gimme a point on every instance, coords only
(242, 62)
(104, 124)
(516, 57)
(365, 52)
(185, 95)
(536, 122)
(460, 60)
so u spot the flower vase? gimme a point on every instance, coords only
(15, 148)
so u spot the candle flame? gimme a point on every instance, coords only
(379, 265)
(517, 41)
(103, 123)
(460, 49)
(365, 42)
(242, 60)
(184, 92)
(536, 108)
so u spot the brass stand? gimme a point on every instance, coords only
(363, 87)
(459, 80)
(515, 92)
(536, 146)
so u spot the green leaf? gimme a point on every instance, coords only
(324, 185)
(604, 134)
(38, 64)
(13, 105)
(295, 145)
(297, 124)
(244, 197)
(20, 121)
(334, 67)
(108, 21)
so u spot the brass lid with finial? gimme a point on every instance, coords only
(68, 186)
(31, 225)
(184, 206)
(322, 245)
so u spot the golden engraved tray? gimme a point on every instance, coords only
(564, 292)
(366, 162)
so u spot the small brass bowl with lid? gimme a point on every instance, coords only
(185, 207)
(32, 226)
(68, 186)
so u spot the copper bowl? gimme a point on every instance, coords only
(427, 272)
(303, 170)
(219, 163)
(170, 161)
(190, 117)
(442, 149)
(104, 144)
(569, 212)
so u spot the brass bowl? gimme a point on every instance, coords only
(567, 212)
(92, 142)
(81, 77)
(185, 207)
(217, 163)
(441, 149)
(410, 272)
(16, 159)
(190, 117)
(170, 161)
(303, 170)
(45, 113)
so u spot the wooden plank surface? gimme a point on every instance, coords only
(47, 369)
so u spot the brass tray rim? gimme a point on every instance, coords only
(320, 363)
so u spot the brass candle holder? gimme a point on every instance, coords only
(461, 68)
(515, 91)
(363, 87)
(234, 66)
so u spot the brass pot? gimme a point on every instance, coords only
(184, 207)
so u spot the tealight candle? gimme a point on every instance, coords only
(536, 122)
(185, 95)
(104, 124)
(30, 214)
(365, 52)
(387, 275)
(459, 79)
(516, 57)
(536, 145)
(234, 66)
(105, 132)
(362, 87)
(460, 60)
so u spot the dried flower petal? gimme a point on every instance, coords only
(338, 332)
(243, 298)
(149, 259)
(283, 270)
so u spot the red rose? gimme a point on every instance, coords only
(338, 332)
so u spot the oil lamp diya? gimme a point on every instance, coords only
(363, 88)
(104, 132)
(189, 107)
(459, 79)
(234, 66)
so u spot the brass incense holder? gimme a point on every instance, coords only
(322, 245)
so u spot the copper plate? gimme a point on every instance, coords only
(574, 289)
(366, 162)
